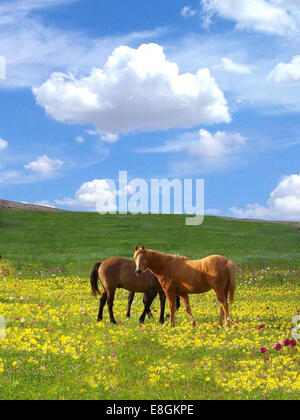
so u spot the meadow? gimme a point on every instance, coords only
(54, 349)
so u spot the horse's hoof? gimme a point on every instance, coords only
(141, 321)
(194, 324)
(127, 316)
(161, 321)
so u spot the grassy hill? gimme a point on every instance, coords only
(75, 241)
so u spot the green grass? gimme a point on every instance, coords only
(52, 254)
(78, 240)
(80, 359)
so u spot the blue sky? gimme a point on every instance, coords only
(200, 89)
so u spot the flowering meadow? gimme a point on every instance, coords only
(55, 349)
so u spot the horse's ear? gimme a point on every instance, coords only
(143, 247)
(136, 248)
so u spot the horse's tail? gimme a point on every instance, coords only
(232, 268)
(94, 279)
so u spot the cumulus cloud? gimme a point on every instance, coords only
(232, 67)
(44, 165)
(283, 203)
(3, 144)
(137, 89)
(187, 11)
(286, 71)
(201, 150)
(269, 16)
(98, 195)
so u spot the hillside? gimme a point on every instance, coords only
(12, 205)
(75, 241)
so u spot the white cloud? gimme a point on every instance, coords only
(203, 144)
(232, 67)
(44, 165)
(187, 11)
(212, 211)
(269, 16)
(9, 177)
(91, 196)
(43, 203)
(286, 71)
(33, 50)
(137, 89)
(3, 144)
(79, 139)
(109, 137)
(10, 10)
(283, 203)
(201, 151)
(216, 146)
(259, 55)
(106, 137)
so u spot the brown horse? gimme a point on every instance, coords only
(118, 273)
(182, 276)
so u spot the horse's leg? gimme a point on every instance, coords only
(186, 302)
(162, 298)
(130, 300)
(103, 300)
(172, 304)
(222, 316)
(149, 299)
(177, 305)
(177, 302)
(110, 304)
(149, 313)
(224, 308)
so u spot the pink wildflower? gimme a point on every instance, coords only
(278, 347)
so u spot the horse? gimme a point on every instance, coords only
(115, 273)
(181, 276)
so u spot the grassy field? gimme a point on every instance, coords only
(75, 241)
(54, 349)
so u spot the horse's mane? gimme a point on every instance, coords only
(179, 257)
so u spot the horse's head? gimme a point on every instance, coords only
(140, 259)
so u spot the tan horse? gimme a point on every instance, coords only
(182, 276)
(116, 273)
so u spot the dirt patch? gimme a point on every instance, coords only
(11, 205)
